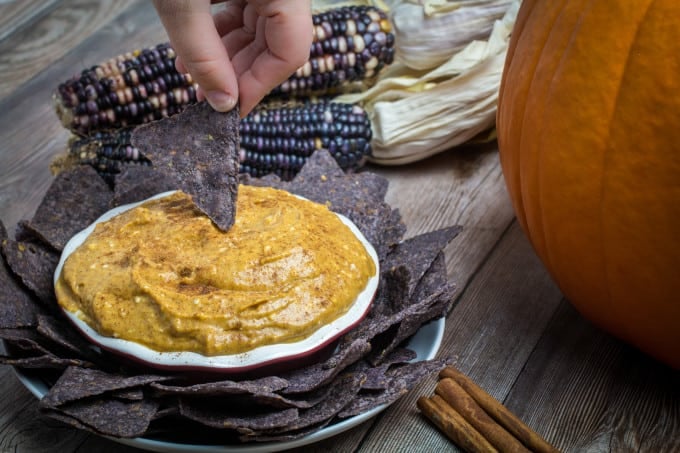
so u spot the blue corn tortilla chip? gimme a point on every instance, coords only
(417, 315)
(17, 308)
(199, 148)
(34, 264)
(139, 182)
(314, 376)
(223, 387)
(394, 290)
(261, 391)
(24, 341)
(319, 167)
(221, 414)
(376, 377)
(417, 254)
(59, 332)
(107, 416)
(44, 362)
(79, 383)
(343, 390)
(434, 278)
(385, 331)
(29, 343)
(75, 199)
(400, 380)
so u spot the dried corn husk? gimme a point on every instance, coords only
(429, 33)
(420, 112)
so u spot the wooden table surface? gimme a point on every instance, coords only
(511, 329)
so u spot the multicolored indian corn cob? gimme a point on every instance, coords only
(280, 140)
(107, 151)
(127, 90)
(351, 44)
(272, 140)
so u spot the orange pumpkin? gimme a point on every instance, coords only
(589, 135)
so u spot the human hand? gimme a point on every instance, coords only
(241, 52)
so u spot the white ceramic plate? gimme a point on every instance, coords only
(425, 343)
(233, 363)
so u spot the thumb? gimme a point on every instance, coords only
(199, 48)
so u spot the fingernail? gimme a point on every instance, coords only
(220, 101)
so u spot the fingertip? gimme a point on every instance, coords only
(200, 51)
(220, 101)
(179, 66)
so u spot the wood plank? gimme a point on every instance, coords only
(588, 391)
(489, 342)
(25, 154)
(465, 187)
(49, 37)
(15, 15)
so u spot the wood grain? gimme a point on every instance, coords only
(48, 37)
(18, 14)
(590, 392)
(463, 187)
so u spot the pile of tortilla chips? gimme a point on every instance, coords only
(98, 391)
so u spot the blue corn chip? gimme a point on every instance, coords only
(139, 182)
(34, 263)
(79, 383)
(107, 416)
(246, 418)
(400, 380)
(75, 199)
(342, 392)
(17, 308)
(417, 254)
(199, 149)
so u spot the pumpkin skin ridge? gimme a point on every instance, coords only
(524, 15)
(638, 187)
(547, 92)
(533, 212)
(625, 333)
(608, 150)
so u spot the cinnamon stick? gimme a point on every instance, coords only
(454, 425)
(466, 406)
(499, 412)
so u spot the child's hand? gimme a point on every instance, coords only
(241, 52)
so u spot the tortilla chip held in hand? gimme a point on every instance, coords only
(199, 148)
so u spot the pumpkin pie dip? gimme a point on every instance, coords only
(162, 275)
